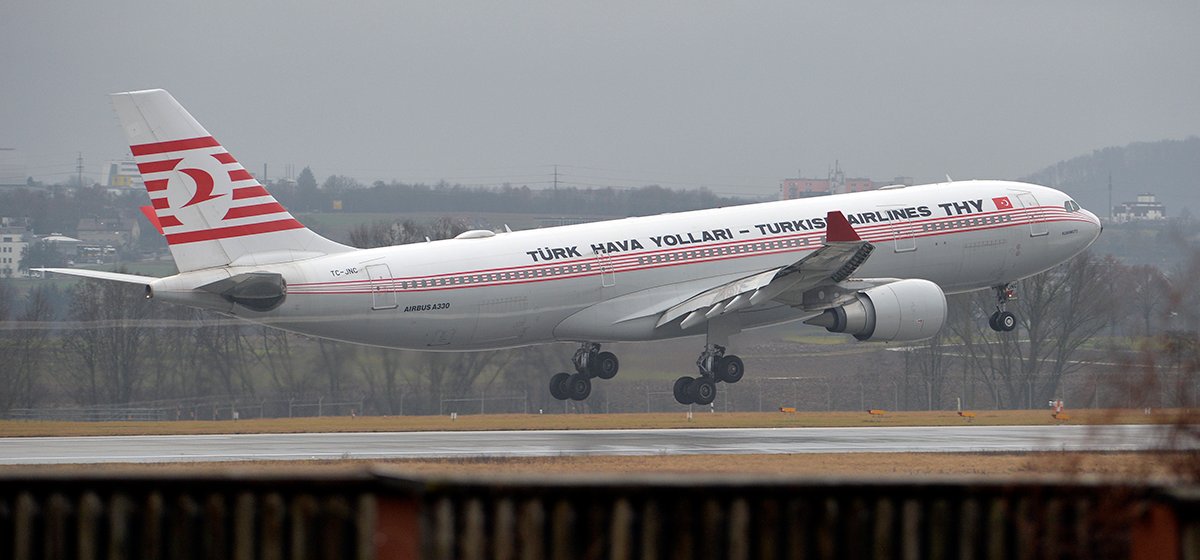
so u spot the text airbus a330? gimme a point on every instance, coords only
(876, 265)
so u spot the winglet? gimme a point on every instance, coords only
(837, 228)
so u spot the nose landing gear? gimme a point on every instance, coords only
(589, 362)
(1003, 320)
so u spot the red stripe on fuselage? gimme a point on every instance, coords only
(630, 262)
(173, 146)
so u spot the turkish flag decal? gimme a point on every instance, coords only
(1002, 203)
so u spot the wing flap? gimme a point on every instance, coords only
(843, 253)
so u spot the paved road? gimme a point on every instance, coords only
(153, 449)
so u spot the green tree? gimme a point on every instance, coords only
(41, 254)
(306, 190)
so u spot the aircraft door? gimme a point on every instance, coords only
(383, 286)
(903, 234)
(608, 277)
(1037, 224)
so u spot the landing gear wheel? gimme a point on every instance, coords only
(579, 386)
(729, 369)
(1005, 321)
(683, 387)
(703, 391)
(1002, 320)
(604, 365)
(558, 386)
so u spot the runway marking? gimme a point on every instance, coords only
(551, 443)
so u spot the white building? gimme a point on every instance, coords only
(12, 244)
(1145, 208)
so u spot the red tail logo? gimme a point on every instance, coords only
(248, 210)
(204, 186)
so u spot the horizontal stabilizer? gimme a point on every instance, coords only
(100, 275)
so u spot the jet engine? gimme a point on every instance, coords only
(903, 310)
(259, 291)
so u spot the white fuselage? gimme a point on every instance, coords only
(591, 282)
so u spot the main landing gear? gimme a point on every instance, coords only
(589, 362)
(714, 367)
(1003, 320)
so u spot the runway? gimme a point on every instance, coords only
(414, 445)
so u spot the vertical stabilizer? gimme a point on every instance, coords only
(211, 210)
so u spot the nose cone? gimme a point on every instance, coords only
(1092, 229)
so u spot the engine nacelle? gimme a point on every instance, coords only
(903, 310)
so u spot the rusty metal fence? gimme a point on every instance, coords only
(379, 514)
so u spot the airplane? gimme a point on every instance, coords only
(876, 265)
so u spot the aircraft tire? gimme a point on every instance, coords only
(681, 389)
(579, 386)
(604, 365)
(558, 386)
(730, 369)
(703, 391)
(1006, 321)
(992, 321)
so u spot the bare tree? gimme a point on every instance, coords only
(381, 368)
(280, 360)
(929, 361)
(27, 349)
(382, 233)
(107, 341)
(1149, 294)
(1059, 311)
(226, 352)
(335, 361)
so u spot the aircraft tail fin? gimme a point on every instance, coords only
(211, 210)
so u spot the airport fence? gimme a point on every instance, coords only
(379, 514)
(202, 408)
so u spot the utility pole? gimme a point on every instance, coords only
(555, 178)
(79, 169)
(1110, 198)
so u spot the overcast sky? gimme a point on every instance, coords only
(733, 96)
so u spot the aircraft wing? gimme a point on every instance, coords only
(844, 251)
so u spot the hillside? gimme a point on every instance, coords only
(1167, 168)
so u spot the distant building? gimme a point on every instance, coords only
(101, 239)
(13, 241)
(120, 175)
(108, 231)
(1145, 208)
(835, 182)
(803, 188)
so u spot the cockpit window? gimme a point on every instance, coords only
(1071, 206)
